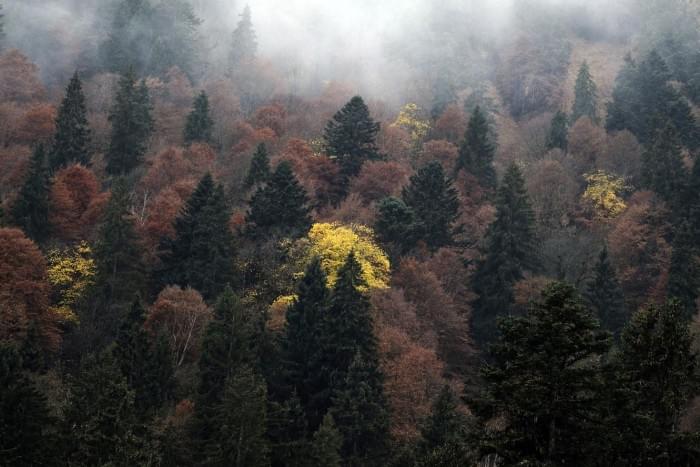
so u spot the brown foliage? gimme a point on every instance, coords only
(395, 142)
(14, 161)
(19, 78)
(162, 212)
(451, 125)
(271, 116)
(439, 150)
(175, 165)
(553, 193)
(586, 144)
(622, 156)
(379, 179)
(37, 125)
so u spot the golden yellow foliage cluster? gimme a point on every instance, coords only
(603, 194)
(410, 120)
(70, 272)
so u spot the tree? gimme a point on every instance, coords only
(604, 295)
(30, 211)
(2, 29)
(281, 206)
(396, 224)
(603, 194)
(72, 139)
(259, 171)
(244, 44)
(684, 271)
(287, 432)
(201, 254)
(558, 132)
(350, 137)
(199, 123)
(509, 251)
(662, 165)
(586, 94)
(132, 125)
(544, 381)
(433, 199)
(443, 433)
(25, 423)
(326, 444)
(477, 150)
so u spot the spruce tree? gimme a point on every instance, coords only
(72, 139)
(477, 150)
(509, 252)
(201, 255)
(30, 211)
(684, 272)
(433, 199)
(26, 428)
(544, 381)
(244, 42)
(396, 224)
(604, 295)
(662, 165)
(132, 125)
(558, 132)
(444, 433)
(691, 202)
(326, 444)
(287, 431)
(259, 171)
(280, 207)
(586, 95)
(350, 137)
(199, 124)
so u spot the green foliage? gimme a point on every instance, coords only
(281, 206)
(287, 433)
(201, 255)
(684, 271)
(477, 150)
(396, 224)
(326, 444)
(199, 124)
(2, 29)
(30, 210)
(586, 94)
(72, 139)
(132, 125)
(604, 295)
(662, 165)
(259, 171)
(558, 132)
(244, 44)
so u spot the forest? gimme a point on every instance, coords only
(350, 233)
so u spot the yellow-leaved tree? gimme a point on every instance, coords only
(603, 194)
(410, 119)
(71, 272)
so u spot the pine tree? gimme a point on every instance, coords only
(545, 382)
(396, 224)
(26, 428)
(433, 199)
(509, 251)
(444, 433)
(244, 42)
(360, 408)
(350, 137)
(72, 139)
(281, 206)
(259, 171)
(132, 125)
(326, 444)
(586, 94)
(558, 132)
(662, 165)
(201, 255)
(604, 295)
(30, 211)
(199, 124)
(477, 150)
(684, 272)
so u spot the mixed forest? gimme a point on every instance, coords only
(210, 257)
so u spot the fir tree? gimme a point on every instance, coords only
(201, 255)
(326, 444)
(509, 251)
(396, 224)
(433, 199)
(281, 206)
(350, 137)
(30, 211)
(26, 428)
(244, 42)
(684, 272)
(132, 125)
(72, 139)
(662, 165)
(544, 381)
(477, 150)
(691, 202)
(259, 171)
(558, 132)
(287, 433)
(586, 94)
(199, 124)
(604, 295)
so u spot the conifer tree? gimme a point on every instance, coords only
(396, 224)
(244, 42)
(201, 255)
(326, 444)
(604, 295)
(691, 202)
(662, 165)
(132, 125)
(259, 171)
(350, 137)
(72, 139)
(444, 433)
(30, 211)
(199, 124)
(545, 382)
(558, 132)
(2, 29)
(509, 251)
(281, 206)
(684, 272)
(287, 431)
(477, 150)
(433, 199)
(26, 428)
(586, 94)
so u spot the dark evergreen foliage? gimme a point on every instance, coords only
(684, 271)
(72, 139)
(199, 123)
(396, 224)
(259, 171)
(477, 150)
(326, 444)
(558, 132)
(662, 165)
(244, 44)
(585, 96)
(604, 295)
(30, 211)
